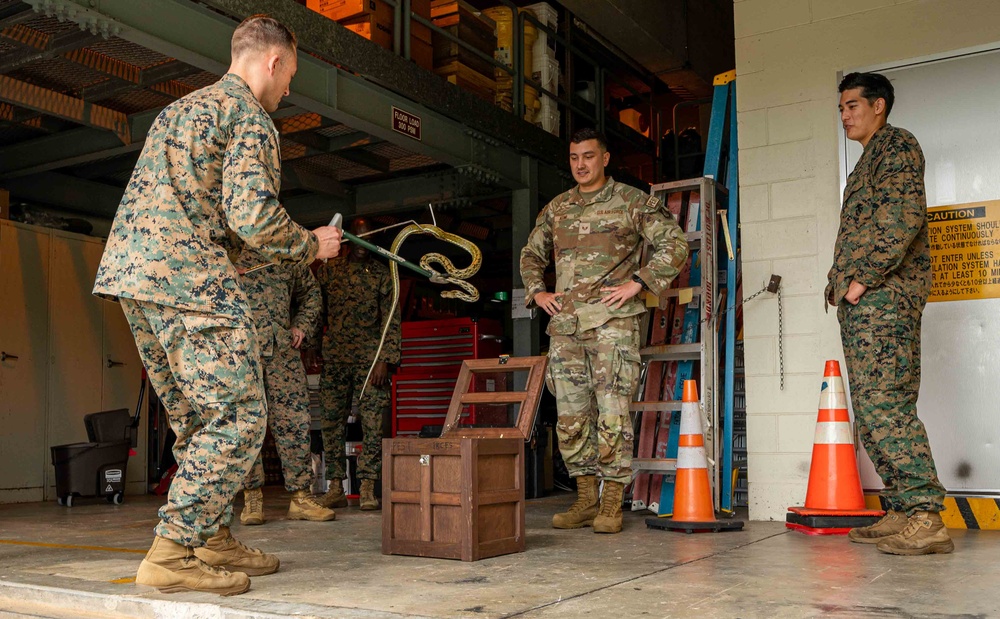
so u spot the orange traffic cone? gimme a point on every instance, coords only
(693, 511)
(834, 501)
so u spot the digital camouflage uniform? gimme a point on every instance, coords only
(883, 244)
(282, 297)
(357, 297)
(594, 350)
(205, 183)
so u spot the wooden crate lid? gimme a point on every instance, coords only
(527, 399)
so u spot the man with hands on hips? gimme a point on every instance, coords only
(596, 232)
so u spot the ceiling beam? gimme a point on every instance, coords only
(410, 192)
(63, 106)
(294, 178)
(29, 119)
(66, 192)
(320, 144)
(122, 79)
(36, 45)
(12, 12)
(366, 158)
(107, 167)
(317, 209)
(74, 147)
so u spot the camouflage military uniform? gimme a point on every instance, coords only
(357, 296)
(883, 244)
(594, 350)
(206, 180)
(282, 297)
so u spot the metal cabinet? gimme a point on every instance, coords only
(67, 352)
(24, 301)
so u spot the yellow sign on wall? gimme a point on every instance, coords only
(965, 251)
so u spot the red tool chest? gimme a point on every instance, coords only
(432, 355)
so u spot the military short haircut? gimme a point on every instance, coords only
(874, 86)
(259, 33)
(583, 135)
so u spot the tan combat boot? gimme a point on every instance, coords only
(892, 523)
(924, 534)
(335, 496)
(253, 507)
(368, 501)
(305, 507)
(170, 568)
(582, 512)
(609, 517)
(224, 550)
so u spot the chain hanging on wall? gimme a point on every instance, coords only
(781, 352)
(773, 286)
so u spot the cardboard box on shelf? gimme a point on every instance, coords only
(469, 79)
(373, 12)
(344, 9)
(377, 26)
(476, 31)
(447, 51)
(370, 28)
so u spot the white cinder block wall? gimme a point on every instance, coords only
(788, 55)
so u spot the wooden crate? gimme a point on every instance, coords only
(461, 496)
(434, 489)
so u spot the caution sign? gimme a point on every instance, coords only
(965, 251)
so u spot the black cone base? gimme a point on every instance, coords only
(713, 526)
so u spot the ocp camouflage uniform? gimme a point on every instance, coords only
(883, 244)
(357, 297)
(594, 350)
(206, 181)
(282, 297)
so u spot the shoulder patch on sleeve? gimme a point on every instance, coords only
(652, 204)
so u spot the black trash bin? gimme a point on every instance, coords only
(98, 467)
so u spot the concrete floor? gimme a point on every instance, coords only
(57, 563)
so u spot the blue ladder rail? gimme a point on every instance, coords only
(722, 138)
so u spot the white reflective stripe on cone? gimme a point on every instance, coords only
(690, 418)
(832, 399)
(833, 433)
(692, 458)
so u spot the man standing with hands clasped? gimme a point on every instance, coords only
(879, 283)
(357, 293)
(597, 231)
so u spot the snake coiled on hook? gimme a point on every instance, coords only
(445, 273)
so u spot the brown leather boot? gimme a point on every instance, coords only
(582, 512)
(170, 568)
(368, 501)
(253, 507)
(223, 550)
(335, 496)
(892, 523)
(609, 517)
(924, 534)
(305, 507)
